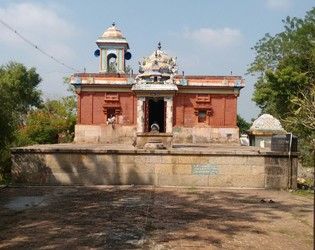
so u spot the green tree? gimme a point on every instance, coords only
(242, 124)
(21, 84)
(285, 67)
(18, 95)
(52, 123)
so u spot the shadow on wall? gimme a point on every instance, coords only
(133, 218)
(281, 172)
(77, 169)
(110, 168)
(31, 169)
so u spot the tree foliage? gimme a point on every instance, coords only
(18, 95)
(242, 124)
(20, 84)
(52, 123)
(285, 67)
(24, 118)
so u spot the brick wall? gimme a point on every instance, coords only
(223, 114)
(230, 111)
(90, 110)
(224, 109)
(86, 108)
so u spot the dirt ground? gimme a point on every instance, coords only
(153, 218)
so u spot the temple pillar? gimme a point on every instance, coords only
(169, 114)
(140, 114)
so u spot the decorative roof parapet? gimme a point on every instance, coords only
(158, 67)
(154, 87)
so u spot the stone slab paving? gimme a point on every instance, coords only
(129, 217)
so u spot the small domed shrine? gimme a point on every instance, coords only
(263, 128)
(117, 106)
(266, 123)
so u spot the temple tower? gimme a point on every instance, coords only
(113, 51)
(155, 88)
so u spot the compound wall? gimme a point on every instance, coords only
(176, 167)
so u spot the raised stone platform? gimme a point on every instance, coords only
(183, 165)
(154, 141)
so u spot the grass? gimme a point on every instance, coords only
(305, 193)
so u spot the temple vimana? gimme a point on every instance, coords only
(157, 105)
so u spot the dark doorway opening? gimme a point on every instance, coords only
(157, 114)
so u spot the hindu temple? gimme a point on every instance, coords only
(156, 127)
(156, 104)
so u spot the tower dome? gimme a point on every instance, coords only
(112, 35)
(113, 32)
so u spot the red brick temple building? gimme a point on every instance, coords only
(115, 106)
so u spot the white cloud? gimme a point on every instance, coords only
(279, 4)
(219, 38)
(41, 25)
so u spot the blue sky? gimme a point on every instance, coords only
(207, 37)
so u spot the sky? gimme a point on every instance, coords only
(211, 37)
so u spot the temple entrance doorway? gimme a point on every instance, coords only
(155, 113)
